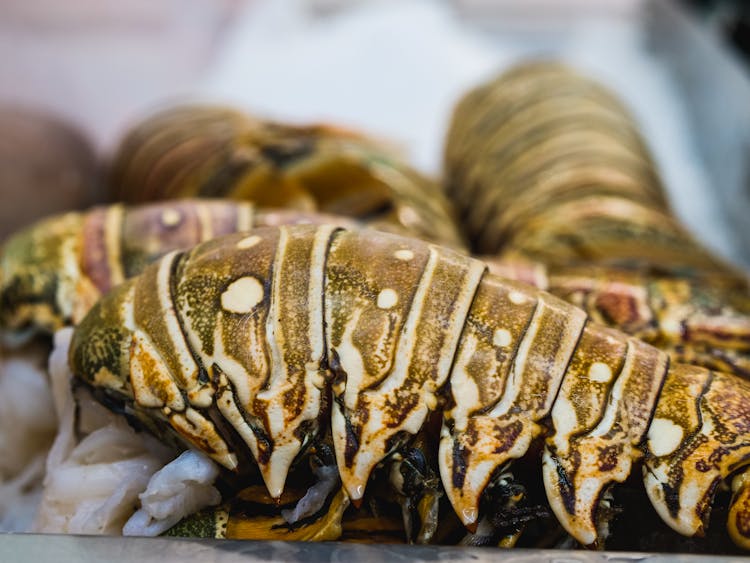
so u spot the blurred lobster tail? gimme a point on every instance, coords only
(554, 182)
(204, 151)
(550, 164)
(180, 141)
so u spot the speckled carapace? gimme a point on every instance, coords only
(242, 344)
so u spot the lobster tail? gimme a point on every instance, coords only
(238, 345)
(205, 151)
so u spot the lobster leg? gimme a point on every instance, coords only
(738, 523)
(418, 488)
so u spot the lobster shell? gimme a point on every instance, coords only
(238, 346)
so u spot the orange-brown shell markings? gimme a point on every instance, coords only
(700, 319)
(697, 438)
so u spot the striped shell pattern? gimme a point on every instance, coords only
(242, 346)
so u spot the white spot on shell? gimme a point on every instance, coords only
(501, 338)
(387, 298)
(242, 295)
(672, 327)
(565, 420)
(408, 216)
(404, 254)
(249, 242)
(170, 217)
(600, 372)
(516, 297)
(664, 436)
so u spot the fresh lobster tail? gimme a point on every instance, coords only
(240, 346)
(55, 270)
(204, 151)
(545, 162)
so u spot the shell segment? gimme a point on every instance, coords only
(292, 397)
(393, 327)
(161, 356)
(259, 333)
(711, 413)
(598, 423)
(150, 231)
(501, 389)
(101, 251)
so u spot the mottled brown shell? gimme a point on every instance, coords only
(239, 345)
(545, 162)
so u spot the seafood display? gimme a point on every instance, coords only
(208, 348)
(207, 151)
(299, 311)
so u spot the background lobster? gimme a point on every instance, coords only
(547, 163)
(52, 272)
(205, 151)
(552, 179)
